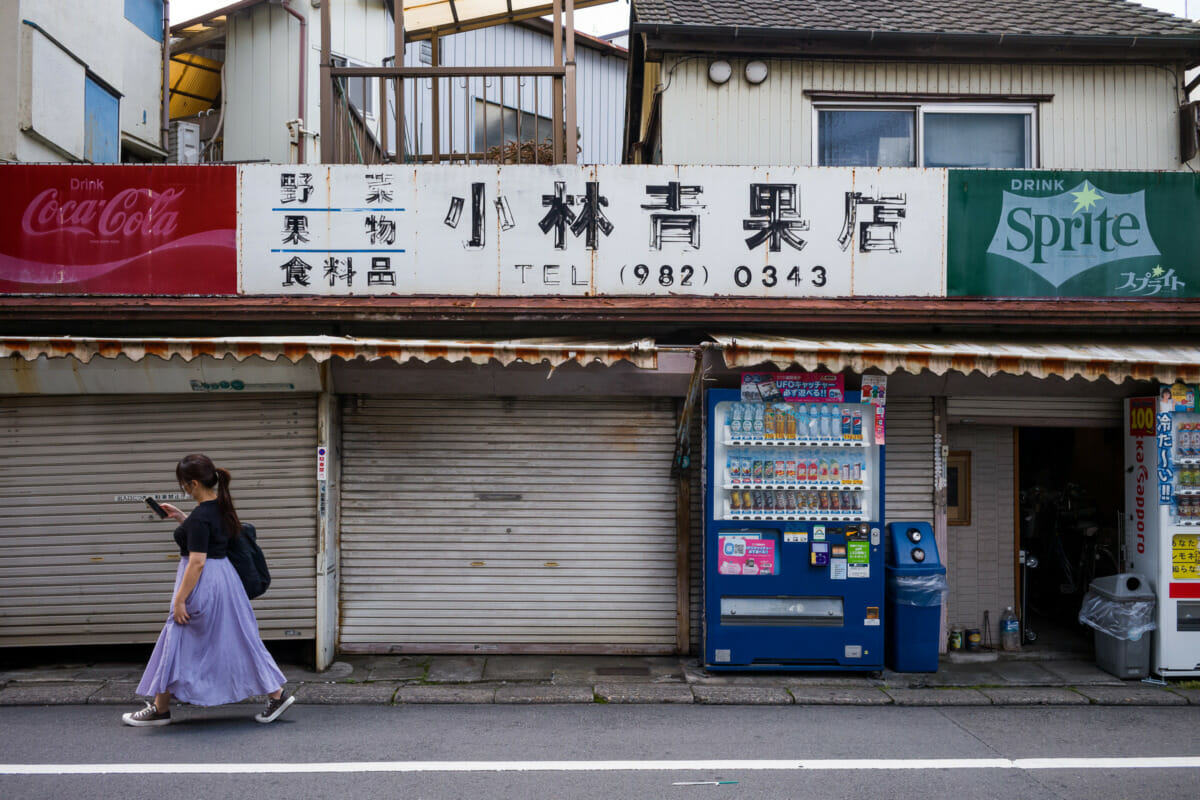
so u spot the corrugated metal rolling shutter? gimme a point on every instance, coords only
(527, 525)
(909, 476)
(1082, 412)
(80, 566)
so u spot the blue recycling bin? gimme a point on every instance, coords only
(914, 588)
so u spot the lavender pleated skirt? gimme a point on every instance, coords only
(217, 657)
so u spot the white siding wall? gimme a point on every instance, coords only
(261, 74)
(1101, 117)
(263, 71)
(141, 82)
(980, 562)
(97, 34)
(600, 89)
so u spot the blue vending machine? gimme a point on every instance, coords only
(793, 543)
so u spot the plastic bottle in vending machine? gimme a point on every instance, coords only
(835, 471)
(835, 423)
(757, 427)
(814, 423)
(856, 424)
(736, 416)
(847, 423)
(814, 467)
(826, 423)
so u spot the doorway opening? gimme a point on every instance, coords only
(1070, 493)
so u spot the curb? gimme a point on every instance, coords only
(84, 691)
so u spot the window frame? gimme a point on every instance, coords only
(920, 108)
(478, 120)
(370, 87)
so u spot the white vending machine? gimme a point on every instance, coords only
(1162, 521)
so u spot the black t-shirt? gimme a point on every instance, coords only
(203, 532)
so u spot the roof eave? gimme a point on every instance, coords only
(664, 38)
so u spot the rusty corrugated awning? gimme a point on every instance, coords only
(1116, 362)
(641, 353)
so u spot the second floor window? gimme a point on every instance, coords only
(925, 135)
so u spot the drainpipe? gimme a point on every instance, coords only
(287, 6)
(164, 134)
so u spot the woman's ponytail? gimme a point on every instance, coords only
(225, 502)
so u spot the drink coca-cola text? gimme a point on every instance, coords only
(129, 213)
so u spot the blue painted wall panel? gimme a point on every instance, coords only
(102, 124)
(147, 15)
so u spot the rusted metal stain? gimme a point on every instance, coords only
(642, 353)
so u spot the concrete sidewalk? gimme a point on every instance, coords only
(396, 680)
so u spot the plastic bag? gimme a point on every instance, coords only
(923, 591)
(1120, 619)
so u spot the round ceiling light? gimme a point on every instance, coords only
(719, 72)
(756, 71)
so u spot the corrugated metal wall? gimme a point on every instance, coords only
(83, 561)
(508, 525)
(261, 74)
(600, 88)
(1094, 412)
(909, 469)
(1101, 117)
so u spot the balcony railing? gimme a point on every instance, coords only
(450, 114)
(506, 115)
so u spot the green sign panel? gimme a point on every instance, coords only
(1073, 234)
(858, 552)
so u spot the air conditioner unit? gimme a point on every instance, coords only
(1189, 130)
(183, 142)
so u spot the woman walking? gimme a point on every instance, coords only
(209, 652)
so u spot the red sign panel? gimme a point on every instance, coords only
(67, 229)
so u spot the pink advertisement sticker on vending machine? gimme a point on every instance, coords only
(742, 555)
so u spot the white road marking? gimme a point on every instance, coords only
(722, 766)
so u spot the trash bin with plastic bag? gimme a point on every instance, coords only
(914, 590)
(1121, 609)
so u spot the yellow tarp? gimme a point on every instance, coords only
(195, 84)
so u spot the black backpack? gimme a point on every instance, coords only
(247, 558)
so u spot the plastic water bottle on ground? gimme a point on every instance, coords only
(1010, 630)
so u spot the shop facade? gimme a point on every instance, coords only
(527, 480)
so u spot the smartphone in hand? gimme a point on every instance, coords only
(156, 508)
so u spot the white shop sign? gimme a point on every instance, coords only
(591, 230)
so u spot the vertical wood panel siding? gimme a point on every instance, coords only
(1110, 117)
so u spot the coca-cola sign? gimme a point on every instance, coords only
(149, 230)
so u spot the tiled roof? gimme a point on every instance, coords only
(1084, 18)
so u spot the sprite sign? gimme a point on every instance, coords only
(1073, 234)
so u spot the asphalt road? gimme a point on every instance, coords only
(604, 751)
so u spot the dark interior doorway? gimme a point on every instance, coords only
(1070, 497)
